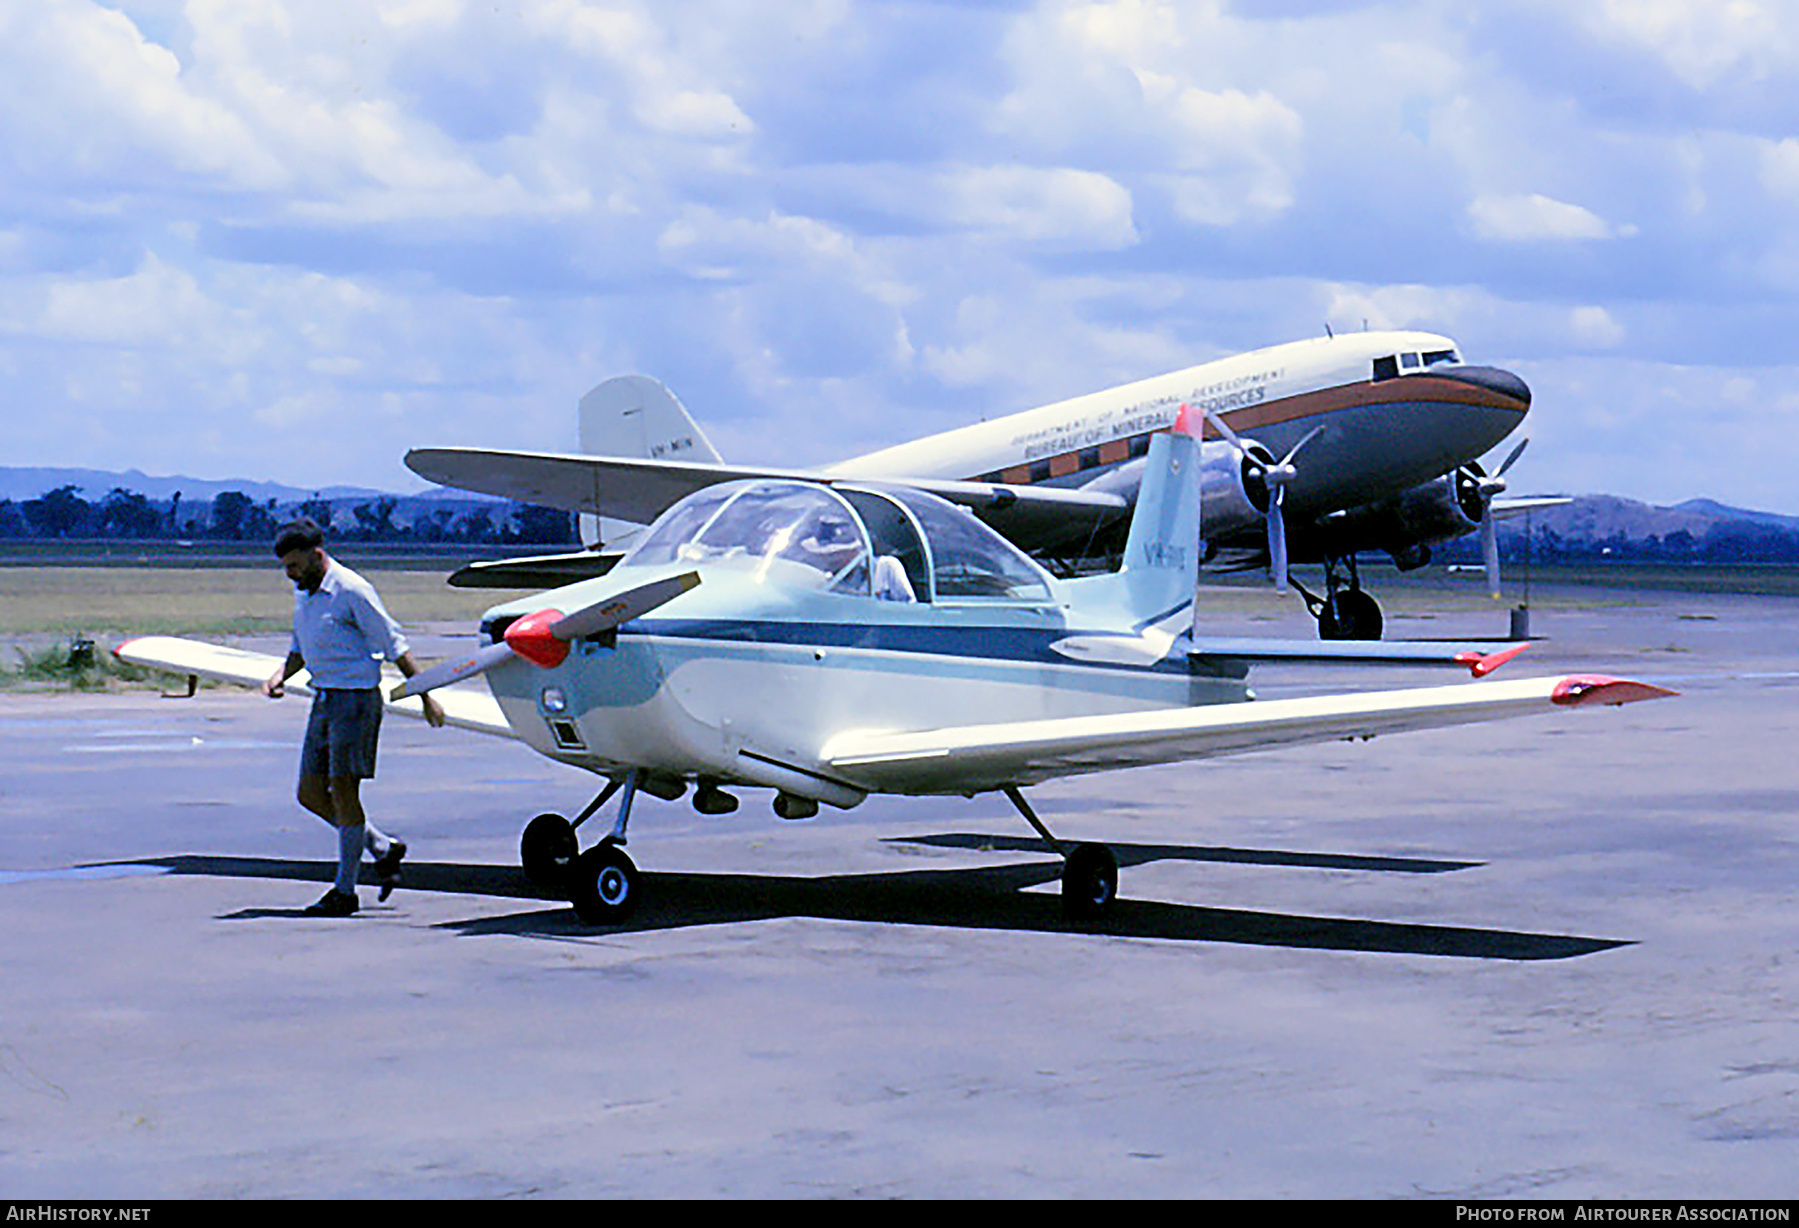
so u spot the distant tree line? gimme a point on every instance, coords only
(234, 516)
(1731, 541)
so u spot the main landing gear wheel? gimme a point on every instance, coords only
(1089, 882)
(604, 885)
(548, 850)
(1349, 614)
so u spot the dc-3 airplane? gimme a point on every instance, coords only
(833, 640)
(1376, 436)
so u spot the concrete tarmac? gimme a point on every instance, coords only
(1549, 958)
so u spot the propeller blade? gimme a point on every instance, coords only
(452, 669)
(1225, 430)
(1489, 552)
(623, 607)
(1277, 540)
(542, 637)
(1513, 458)
(1310, 435)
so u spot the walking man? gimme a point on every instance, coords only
(340, 629)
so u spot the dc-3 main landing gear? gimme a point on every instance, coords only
(603, 883)
(1089, 871)
(1346, 611)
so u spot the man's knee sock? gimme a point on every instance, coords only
(349, 856)
(377, 841)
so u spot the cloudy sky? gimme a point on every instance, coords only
(288, 240)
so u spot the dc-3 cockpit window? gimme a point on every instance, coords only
(1388, 366)
(785, 533)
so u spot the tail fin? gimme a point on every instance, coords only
(636, 416)
(1161, 555)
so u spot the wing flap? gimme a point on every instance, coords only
(465, 709)
(973, 758)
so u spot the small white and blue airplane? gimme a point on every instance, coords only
(834, 640)
(1377, 436)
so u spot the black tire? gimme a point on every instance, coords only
(604, 885)
(548, 850)
(1349, 614)
(1089, 882)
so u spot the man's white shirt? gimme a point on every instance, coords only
(342, 630)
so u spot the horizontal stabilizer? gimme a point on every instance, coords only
(976, 758)
(538, 571)
(467, 709)
(1479, 659)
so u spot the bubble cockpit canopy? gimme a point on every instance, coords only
(894, 544)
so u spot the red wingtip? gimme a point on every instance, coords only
(1583, 689)
(1482, 664)
(530, 638)
(1183, 421)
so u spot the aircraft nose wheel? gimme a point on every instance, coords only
(1089, 882)
(604, 885)
(548, 850)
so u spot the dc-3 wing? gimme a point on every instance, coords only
(1505, 509)
(973, 758)
(638, 490)
(465, 709)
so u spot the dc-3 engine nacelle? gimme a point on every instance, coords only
(1232, 496)
(1409, 523)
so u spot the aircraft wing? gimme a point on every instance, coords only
(1504, 508)
(463, 708)
(628, 488)
(972, 758)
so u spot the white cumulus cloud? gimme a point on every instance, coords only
(1534, 217)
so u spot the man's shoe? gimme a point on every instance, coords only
(387, 868)
(334, 903)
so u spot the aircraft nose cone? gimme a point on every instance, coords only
(1493, 379)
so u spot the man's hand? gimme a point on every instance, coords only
(434, 713)
(275, 685)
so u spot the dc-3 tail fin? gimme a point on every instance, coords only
(1161, 554)
(636, 416)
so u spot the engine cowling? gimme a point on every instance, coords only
(1407, 524)
(1232, 499)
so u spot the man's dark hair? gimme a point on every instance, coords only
(302, 533)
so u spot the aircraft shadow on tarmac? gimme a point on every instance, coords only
(985, 897)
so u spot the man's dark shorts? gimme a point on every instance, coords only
(341, 733)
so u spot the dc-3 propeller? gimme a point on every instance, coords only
(1486, 488)
(543, 637)
(1260, 468)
